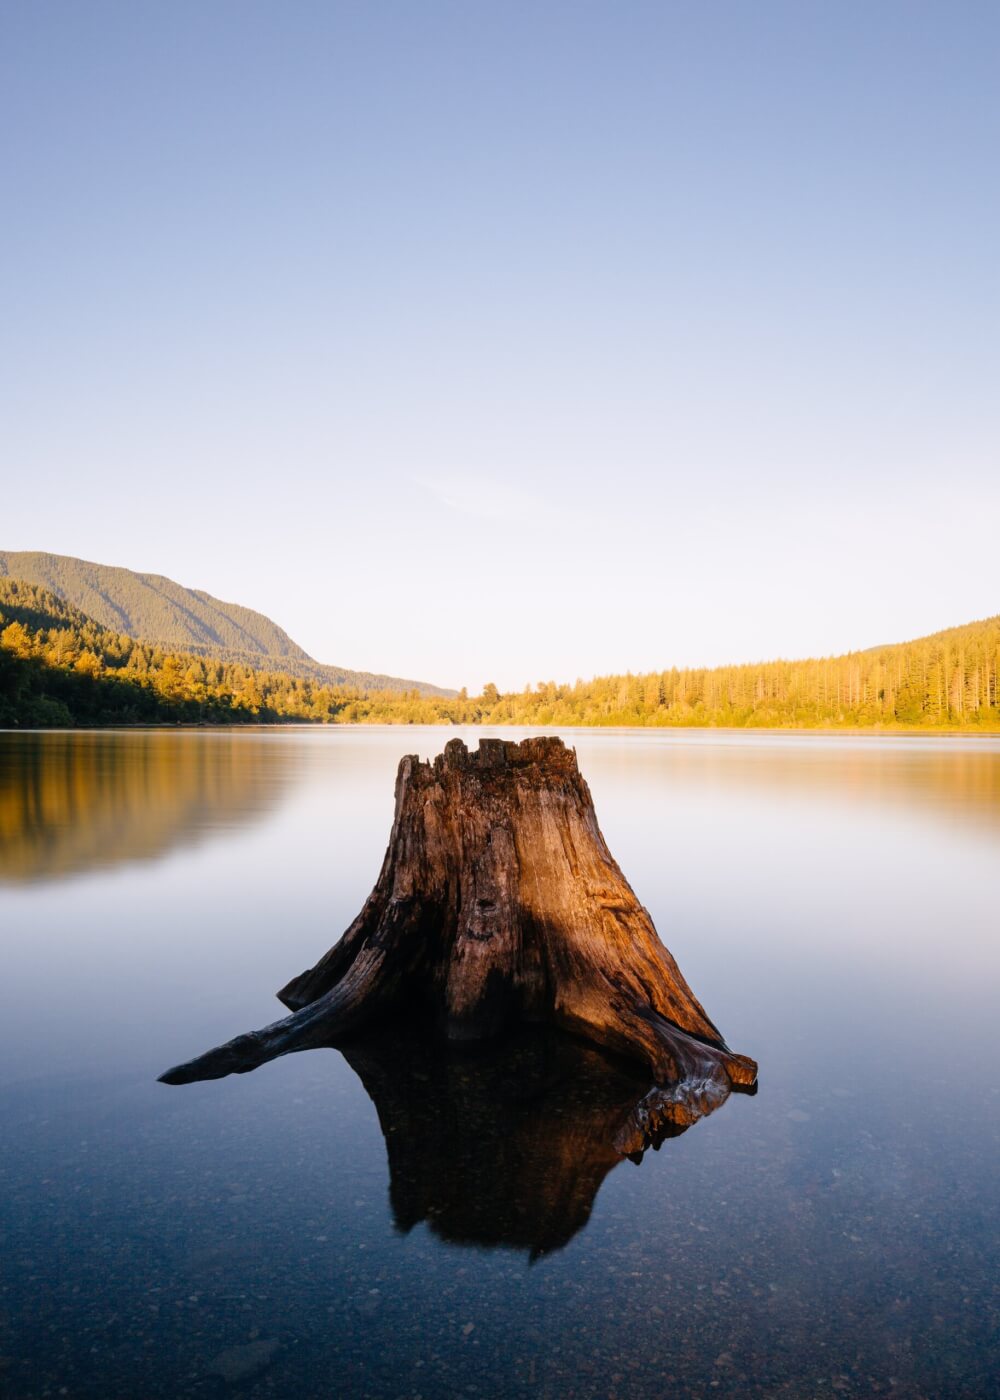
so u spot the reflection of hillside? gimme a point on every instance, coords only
(76, 801)
(956, 780)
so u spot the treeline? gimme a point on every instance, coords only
(947, 681)
(160, 612)
(57, 666)
(950, 680)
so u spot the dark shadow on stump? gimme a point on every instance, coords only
(500, 905)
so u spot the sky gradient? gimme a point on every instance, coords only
(511, 342)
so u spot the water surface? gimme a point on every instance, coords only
(833, 903)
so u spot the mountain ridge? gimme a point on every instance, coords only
(156, 609)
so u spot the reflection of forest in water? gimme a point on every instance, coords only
(956, 780)
(78, 801)
(72, 801)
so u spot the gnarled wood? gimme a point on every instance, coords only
(499, 901)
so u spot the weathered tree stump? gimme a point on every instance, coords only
(499, 901)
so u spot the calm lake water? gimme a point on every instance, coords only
(834, 903)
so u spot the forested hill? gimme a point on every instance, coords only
(151, 608)
(950, 680)
(59, 667)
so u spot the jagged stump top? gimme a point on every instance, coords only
(542, 751)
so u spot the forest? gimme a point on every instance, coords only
(157, 610)
(60, 667)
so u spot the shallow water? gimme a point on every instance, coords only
(832, 901)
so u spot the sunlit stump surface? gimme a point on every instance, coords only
(508, 1146)
(499, 903)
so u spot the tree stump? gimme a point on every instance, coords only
(498, 901)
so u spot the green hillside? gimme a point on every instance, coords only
(950, 680)
(151, 608)
(60, 667)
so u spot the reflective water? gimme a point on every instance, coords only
(833, 903)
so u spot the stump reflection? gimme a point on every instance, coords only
(508, 1145)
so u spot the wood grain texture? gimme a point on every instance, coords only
(498, 901)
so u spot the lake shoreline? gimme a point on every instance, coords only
(847, 732)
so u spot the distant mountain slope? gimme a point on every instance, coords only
(60, 668)
(152, 608)
(149, 606)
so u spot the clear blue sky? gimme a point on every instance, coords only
(511, 341)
